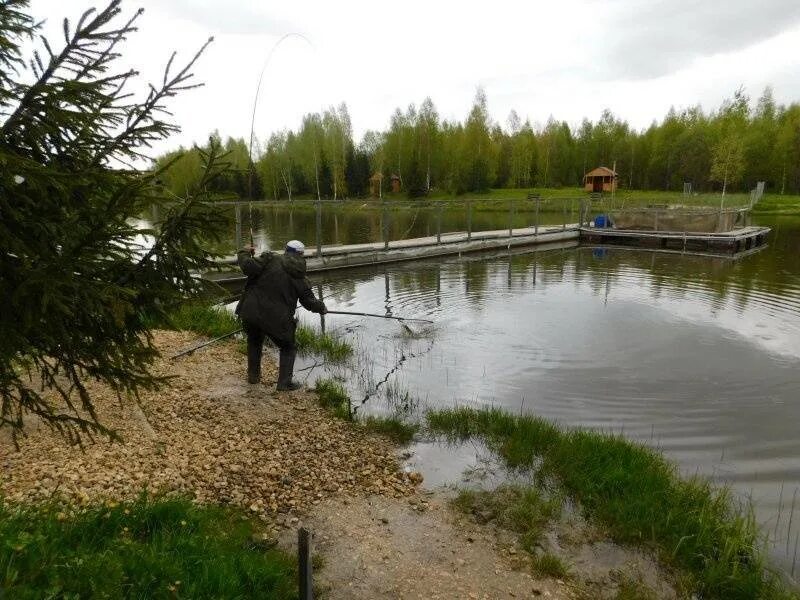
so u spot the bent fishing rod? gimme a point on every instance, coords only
(330, 312)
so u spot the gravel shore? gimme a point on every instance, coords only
(212, 436)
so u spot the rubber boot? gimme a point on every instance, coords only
(285, 371)
(254, 362)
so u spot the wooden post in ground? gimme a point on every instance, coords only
(305, 578)
(536, 221)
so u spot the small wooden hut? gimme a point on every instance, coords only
(396, 183)
(601, 179)
(375, 184)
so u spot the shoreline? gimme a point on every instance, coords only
(286, 461)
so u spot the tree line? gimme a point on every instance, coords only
(732, 147)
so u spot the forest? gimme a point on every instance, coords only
(738, 144)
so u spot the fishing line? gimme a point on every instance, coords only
(253, 124)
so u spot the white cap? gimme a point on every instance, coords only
(295, 247)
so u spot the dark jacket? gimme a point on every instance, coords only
(274, 285)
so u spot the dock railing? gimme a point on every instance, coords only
(331, 223)
(320, 222)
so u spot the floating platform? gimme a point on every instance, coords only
(360, 255)
(736, 241)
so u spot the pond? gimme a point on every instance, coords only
(697, 356)
(352, 222)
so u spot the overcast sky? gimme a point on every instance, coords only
(567, 58)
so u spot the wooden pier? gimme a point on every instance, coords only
(736, 241)
(446, 244)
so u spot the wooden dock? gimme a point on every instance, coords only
(446, 244)
(736, 241)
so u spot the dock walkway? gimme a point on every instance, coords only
(456, 243)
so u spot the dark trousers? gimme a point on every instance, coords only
(255, 348)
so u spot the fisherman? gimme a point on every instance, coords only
(274, 285)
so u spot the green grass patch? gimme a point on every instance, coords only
(525, 511)
(549, 565)
(149, 548)
(637, 495)
(775, 204)
(629, 588)
(394, 428)
(333, 396)
(199, 316)
(311, 341)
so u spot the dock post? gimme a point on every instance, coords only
(439, 224)
(319, 228)
(469, 220)
(536, 219)
(385, 225)
(238, 241)
(510, 218)
(335, 228)
(321, 315)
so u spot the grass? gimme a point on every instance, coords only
(525, 511)
(629, 588)
(774, 204)
(637, 495)
(552, 200)
(395, 428)
(148, 548)
(201, 317)
(311, 341)
(549, 565)
(333, 396)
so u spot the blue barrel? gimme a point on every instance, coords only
(602, 221)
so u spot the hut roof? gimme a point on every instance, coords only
(600, 172)
(394, 176)
(376, 176)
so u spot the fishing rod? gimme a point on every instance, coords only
(330, 312)
(204, 344)
(363, 314)
(251, 164)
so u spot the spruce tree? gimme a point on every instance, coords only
(78, 288)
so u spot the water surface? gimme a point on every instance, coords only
(697, 356)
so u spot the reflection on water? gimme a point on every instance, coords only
(694, 355)
(356, 223)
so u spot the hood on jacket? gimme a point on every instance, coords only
(295, 265)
